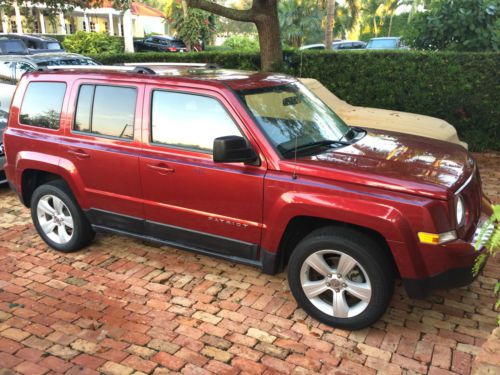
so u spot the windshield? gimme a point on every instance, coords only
(293, 117)
(382, 43)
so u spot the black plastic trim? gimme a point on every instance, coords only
(453, 278)
(188, 239)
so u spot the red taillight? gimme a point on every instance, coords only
(172, 49)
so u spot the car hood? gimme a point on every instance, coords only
(394, 161)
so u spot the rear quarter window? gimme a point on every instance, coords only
(42, 104)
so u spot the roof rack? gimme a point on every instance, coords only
(132, 69)
(140, 68)
(174, 65)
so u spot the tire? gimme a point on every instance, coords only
(363, 294)
(54, 208)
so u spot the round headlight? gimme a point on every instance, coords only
(460, 210)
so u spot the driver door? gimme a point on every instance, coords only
(190, 200)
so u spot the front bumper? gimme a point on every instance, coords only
(449, 265)
(452, 278)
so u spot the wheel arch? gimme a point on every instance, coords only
(36, 169)
(300, 226)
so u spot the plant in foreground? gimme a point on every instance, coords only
(492, 245)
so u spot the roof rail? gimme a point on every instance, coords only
(132, 69)
(175, 65)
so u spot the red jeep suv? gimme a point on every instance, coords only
(252, 168)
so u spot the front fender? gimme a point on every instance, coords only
(381, 218)
(32, 160)
(378, 212)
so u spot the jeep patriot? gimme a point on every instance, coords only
(250, 167)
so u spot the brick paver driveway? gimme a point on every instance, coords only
(123, 306)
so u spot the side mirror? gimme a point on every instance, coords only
(233, 149)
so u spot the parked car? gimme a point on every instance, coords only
(36, 43)
(386, 43)
(12, 47)
(384, 119)
(336, 45)
(13, 67)
(348, 44)
(249, 167)
(160, 44)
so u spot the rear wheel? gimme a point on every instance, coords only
(58, 218)
(341, 277)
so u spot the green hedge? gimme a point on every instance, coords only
(461, 88)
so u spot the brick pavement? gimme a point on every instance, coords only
(126, 307)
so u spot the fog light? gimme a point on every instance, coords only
(437, 238)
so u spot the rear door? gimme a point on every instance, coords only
(189, 199)
(103, 143)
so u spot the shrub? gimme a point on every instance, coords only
(460, 25)
(459, 87)
(92, 43)
(241, 43)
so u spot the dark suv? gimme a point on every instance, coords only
(160, 44)
(249, 167)
(36, 43)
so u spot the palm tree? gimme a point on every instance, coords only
(298, 20)
(390, 8)
(353, 7)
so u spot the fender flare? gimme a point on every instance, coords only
(32, 160)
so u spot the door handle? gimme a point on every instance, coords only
(162, 168)
(78, 153)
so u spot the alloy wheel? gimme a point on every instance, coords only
(335, 283)
(55, 219)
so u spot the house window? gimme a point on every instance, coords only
(71, 28)
(92, 26)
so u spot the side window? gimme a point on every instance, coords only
(42, 104)
(106, 110)
(189, 121)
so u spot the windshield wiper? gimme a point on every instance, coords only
(314, 145)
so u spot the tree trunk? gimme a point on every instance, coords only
(268, 28)
(330, 11)
(375, 29)
(390, 24)
(185, 15)
(264, 14)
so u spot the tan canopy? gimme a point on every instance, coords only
(384, 119)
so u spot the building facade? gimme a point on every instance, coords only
(29, 17)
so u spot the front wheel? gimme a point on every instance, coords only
(341, 277)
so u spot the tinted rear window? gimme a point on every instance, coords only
(12, 46)
(106, 110)
(42, 104)
(53, 45)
